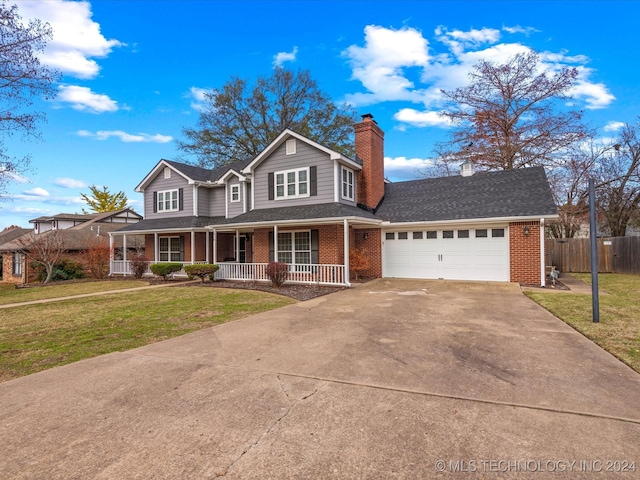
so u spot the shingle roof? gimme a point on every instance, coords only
(74, 239)
(301, 212)
(509, 193)
(172, 223)
(10, 235)
(200, 174)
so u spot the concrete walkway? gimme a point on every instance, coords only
(391, 379)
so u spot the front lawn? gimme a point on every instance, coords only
(37, 337)
(619, 329)
(10, 294)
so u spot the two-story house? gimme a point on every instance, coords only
(303, 204)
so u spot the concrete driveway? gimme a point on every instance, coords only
(391, 379)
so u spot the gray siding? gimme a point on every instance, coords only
(305, 156)
(204, 201)
(159, 184)
(216, 202)
(355, 186)
(235, 208)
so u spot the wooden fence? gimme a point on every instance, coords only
(615, 254)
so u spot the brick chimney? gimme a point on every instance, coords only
(370, 149)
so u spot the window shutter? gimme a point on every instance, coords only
(181, 199)
(155, 202)
(181, 248)
(313, 181)
(271, 186)
(315, 241)
(271, 254)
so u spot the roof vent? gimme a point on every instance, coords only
(466, 169)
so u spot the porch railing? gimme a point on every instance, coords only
(316, 274)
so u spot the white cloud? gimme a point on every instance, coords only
(125, 137)
(403, 168)
(83, 99)
(421, 119)
(12, 176)
(613, 126)
(70, 182)
(199, 96)
(281, 57)
(53, 200)
(383, 67)
(380, 64)
(76, 37)
(519, 29)
(37, 192)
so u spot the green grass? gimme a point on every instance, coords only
(10, 294)
(618, 331)
(37, 337)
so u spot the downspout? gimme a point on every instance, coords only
(543, 270)
(275, 243)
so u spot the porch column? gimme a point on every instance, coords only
(111, 250)
(215, 247)
(543, 269)
(237, 246)
(346, 253)
(193, 247)
(124, 248)
(156, 247)
(208, 246)
(275, 243)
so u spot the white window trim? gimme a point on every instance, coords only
(235, 188)
(161, 203)
(351, 173)
(169, 251)
(284, 174)
(16, 268)
(290, 146)
(293, 250)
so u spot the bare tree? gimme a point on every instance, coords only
(511, 116)
(22, 79)
(45, 248)
(618, 184)
(236, 124)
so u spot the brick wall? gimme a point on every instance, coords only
(149, 247)
(371, 246)
(369, 145)
(7, 269)
(524, 253)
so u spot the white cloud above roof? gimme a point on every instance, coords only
(37, 192)
(421, 119)
(613, 126)
(125, 137)
(83, 99)
(281, 57)
(77, 39)
(403, 168)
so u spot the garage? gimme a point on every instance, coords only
(448, 253)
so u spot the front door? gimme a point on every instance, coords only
(242, 249)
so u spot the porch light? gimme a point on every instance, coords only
(526, 230)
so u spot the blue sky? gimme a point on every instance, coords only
(134, 72)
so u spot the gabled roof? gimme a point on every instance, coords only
(286, 134)
(84, 217)
(192, 173)
(10, 235)
(522, 192)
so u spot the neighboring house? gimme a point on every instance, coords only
(80, 232)
(11, 264)
(301, 203)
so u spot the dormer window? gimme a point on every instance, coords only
(167, 172)
(235, 193)
(347, 184)
(291, 146)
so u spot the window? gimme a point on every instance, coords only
(292, 183)
(291, 146)
(347, 183)
(497, 232)
(447, 234)
(17, 263)
(403, 235)
(463, 233)
(235, 193)
(432, 234)
(169, 249)
(390, 236)
(481, 233)
(417, 235)
(167, 172)
(294, 247)
(168, 201)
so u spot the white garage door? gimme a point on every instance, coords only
(451, 254)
